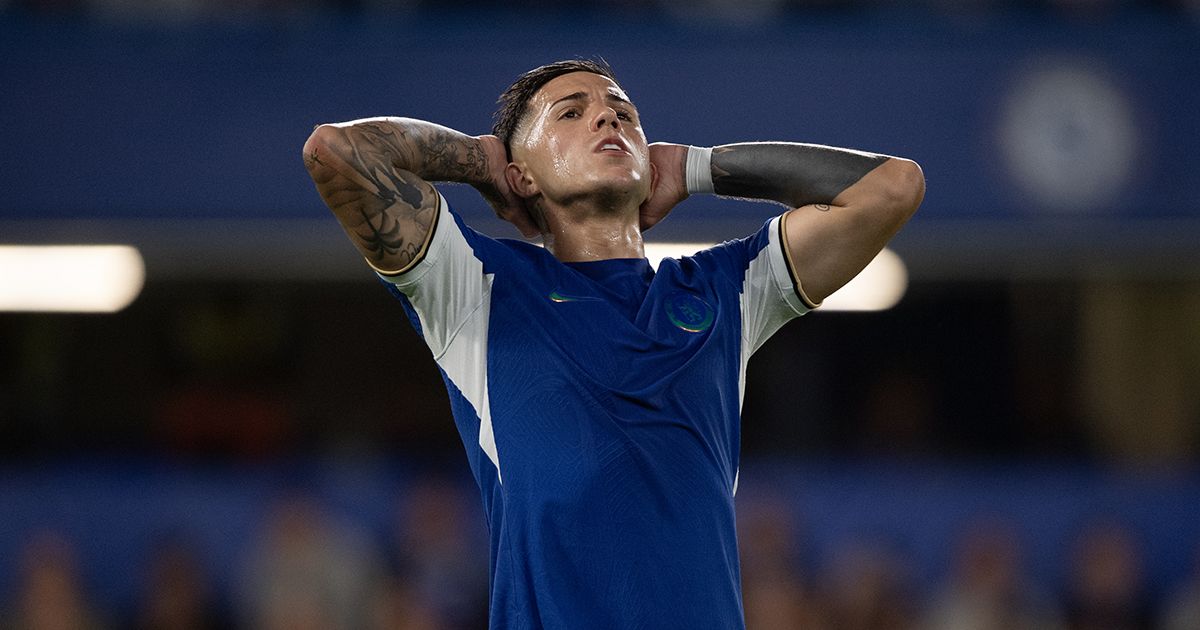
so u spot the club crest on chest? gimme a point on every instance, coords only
(689, 312)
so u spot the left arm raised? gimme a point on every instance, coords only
(846, 204)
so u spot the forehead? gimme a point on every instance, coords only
(590, 84)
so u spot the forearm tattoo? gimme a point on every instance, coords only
(381, 194)
(790, 173)
(450, 157)
(373, 151)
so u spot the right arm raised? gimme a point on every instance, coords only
(374, 174)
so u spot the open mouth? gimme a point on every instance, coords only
(612, 145)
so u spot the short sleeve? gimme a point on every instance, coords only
(448, 284)
(770, 297)
(758, 266)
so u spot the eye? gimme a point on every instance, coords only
(569, 113)
(624, 115)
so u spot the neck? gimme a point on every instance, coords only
(582, 234)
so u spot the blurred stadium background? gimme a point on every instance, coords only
(260, 440)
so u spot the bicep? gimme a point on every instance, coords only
(827, 245)
(388, 212)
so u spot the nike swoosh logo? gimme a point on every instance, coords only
(555, 296)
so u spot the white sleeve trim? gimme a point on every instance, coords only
(452, 298)
(781, 270)
(768, 300)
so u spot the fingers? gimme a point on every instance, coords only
(499, 194)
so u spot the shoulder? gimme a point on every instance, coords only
(735, 256)
(758, 263)
(453, 229)
(456, 250)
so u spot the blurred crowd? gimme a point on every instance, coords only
(306, 569)
(867, 585)
(752, 11)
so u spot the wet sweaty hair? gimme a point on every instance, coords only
(515, 99)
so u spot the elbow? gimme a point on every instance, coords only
(907, 188)
(317, 151)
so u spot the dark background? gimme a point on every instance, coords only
(1023, 427)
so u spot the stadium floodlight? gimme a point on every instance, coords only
(69, 278)
(878, 287)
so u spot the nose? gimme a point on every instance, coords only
(607, 117)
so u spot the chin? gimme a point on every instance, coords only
(615, 185)
(622, 190)
(623, 179)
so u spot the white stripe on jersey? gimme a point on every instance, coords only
(767, 277)
(454, 306)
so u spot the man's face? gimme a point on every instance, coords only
(581, 137)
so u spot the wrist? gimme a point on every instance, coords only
(490, 170)
(698, 170)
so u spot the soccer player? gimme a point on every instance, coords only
(599, 401)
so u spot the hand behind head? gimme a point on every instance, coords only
(499, 195)
(668, 187)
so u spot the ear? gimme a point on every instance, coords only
(653, 180)
(519, 181)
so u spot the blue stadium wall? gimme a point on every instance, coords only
(1016, 120)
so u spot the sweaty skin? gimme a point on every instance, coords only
(592, 202)
(587, 195)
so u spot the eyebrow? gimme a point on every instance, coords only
(580, 96)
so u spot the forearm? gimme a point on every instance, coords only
(793, 174)
(373, 175)
(429, 151)
(846, 204)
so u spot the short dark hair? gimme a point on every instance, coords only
(515, 99)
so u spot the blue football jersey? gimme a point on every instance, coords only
(600, 404)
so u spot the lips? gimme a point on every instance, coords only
(611, 144)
